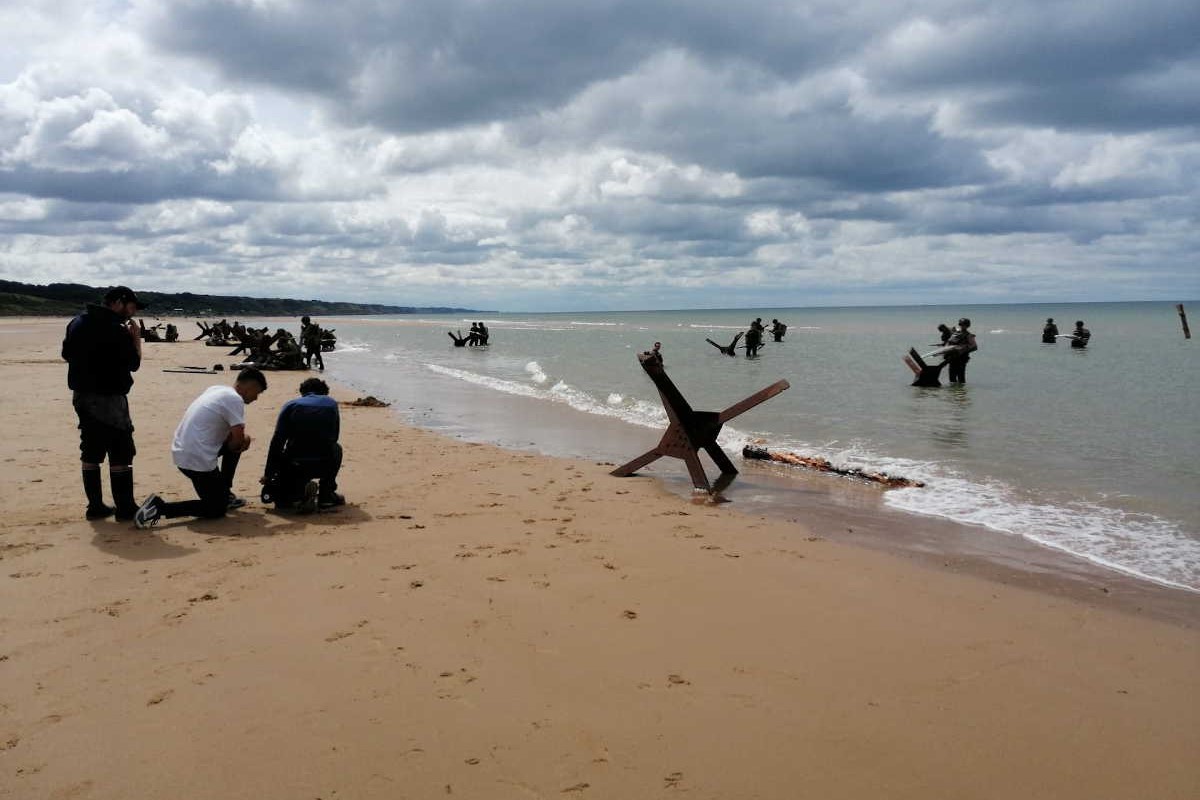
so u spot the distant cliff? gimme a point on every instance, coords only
(67, 299)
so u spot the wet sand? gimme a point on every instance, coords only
(487, 623)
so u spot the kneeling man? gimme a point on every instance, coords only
(207, 446)
(305, 457)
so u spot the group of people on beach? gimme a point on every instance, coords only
(262, 349)
(103, 348)
(151, 334)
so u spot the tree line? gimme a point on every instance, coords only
(66, 299)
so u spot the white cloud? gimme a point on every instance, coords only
(448, 152)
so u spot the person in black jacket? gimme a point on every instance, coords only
(961, 344)
(1080, 336)
(1050, 332)
(102, 347)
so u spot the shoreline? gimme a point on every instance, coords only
(490, 623)
(851, 512)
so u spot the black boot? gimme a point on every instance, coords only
(96, 508)
(122, 490)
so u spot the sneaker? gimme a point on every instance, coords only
(234, 502)
(99, 512)
(309, 502)
(330, 501)
(149, 513)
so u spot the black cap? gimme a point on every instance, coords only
(123, 294)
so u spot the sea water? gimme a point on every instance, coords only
(1092, 452)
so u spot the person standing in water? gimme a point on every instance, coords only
(1050, 332)
(1080, 336)
(754, 337)
(962, 344)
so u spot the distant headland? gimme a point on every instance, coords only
(67, 299)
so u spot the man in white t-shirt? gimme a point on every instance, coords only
(207, 446)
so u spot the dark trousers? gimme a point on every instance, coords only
(313, 352)
(958, 369)
(213, 488)
(298, 471)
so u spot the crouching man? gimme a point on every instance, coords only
(207, 446)
(305, 457)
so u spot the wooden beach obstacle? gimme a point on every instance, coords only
(924, 374)
(690, 431)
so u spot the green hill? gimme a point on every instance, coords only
(67, 299)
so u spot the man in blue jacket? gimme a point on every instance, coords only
(304, 457)
(102, 347)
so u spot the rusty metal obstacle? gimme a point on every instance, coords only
(690, 431)
(924, 374)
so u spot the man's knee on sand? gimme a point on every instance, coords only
(214, 508)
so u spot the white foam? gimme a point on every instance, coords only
(535, 372)
(1141, 545)
(635, 412)
(1137, 544)
(352, 347)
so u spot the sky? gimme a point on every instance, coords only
(549, 155)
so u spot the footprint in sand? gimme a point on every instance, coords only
(159, 697)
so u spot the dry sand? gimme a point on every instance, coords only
(488, 624)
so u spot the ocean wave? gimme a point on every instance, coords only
(353, 347)
(636, 412)
(1141, 545)
(535, 372)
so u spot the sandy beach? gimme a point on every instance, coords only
(484, 623)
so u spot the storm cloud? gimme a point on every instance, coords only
(610, 154)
